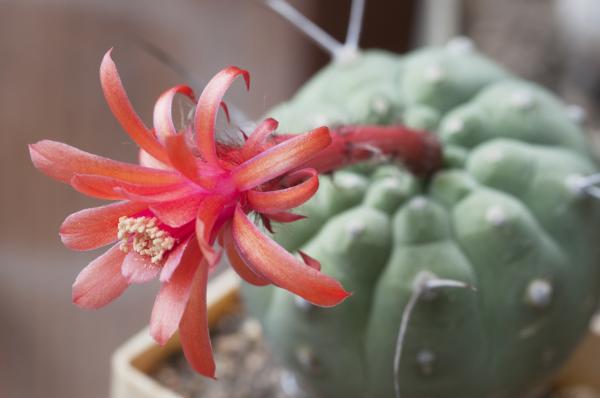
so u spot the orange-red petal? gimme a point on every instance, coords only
(100, 282)
(186, 163)
(193, 328)
(238, 264)
(284, 199)
(178, 212)
(209, 211)
(174, 293)
(146, 160)
(174, 259)
(285, 217)
(163, 117)
(281, 158)
(62, 162)
(90, 229)
(96, 187)
(111, 189)
(121, 107)
(139, 269)
(252, 145)
(280, 267)
(310, 261)
(207, 108)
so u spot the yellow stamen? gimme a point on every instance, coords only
(146, 237)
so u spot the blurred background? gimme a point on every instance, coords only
(50, 51)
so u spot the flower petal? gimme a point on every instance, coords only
(252, 145)
(163, 118)
(209, 211)
(62, 162)
(111, 189)
(174, 294)
(267, 223)
(101, 281)
(242, 269)
(139, 269)
(310, 261)
(207, 107)
(96, 186)
(174, 259)
(187, 164)
(193, 328)
(119, 104)
(284, 199)
(178, 212)
(146, 160)
(280, 267)
(285, 217)
(96, 227)
(281, 158)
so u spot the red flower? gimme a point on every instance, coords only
(180, 200)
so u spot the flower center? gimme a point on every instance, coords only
(144, 236)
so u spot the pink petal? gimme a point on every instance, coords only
(111, 189)
(101, 281)
(119, 104)
(62, 162)
(187, 164)
(284, 199)
(178, 212)
(239, 265)
(310, 261)
(146, 160)
(285, 217)
(174, 259)
(138, 269)
(163, 118)
(209, 211)
(267, 223)
(96, 186)
(225, 109)
(193, 328)
(174, 294)
(281, 158)
(256, 139)
(270, 260)
(177, 193)
(207, 107)
(96, 227)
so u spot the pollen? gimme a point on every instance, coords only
(144, 236)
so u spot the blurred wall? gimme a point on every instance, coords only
(553, 42)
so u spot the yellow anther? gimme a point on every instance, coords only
(144, 236)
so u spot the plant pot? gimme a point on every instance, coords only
(137, 358)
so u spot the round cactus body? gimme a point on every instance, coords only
(505, 217)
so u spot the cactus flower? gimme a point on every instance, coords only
(189, 193)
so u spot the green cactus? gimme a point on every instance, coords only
(505, 217)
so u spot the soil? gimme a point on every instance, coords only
(245, 368)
